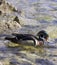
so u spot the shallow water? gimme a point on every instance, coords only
(27, 55)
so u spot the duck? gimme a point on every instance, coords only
(42, 37)
(38, 39)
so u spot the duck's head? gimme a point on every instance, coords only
(43, 35)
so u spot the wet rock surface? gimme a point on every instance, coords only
(7, 22)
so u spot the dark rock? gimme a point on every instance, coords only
(8, 26)
(0, 12)
(14, 10)
(0, 2)
(16, 19)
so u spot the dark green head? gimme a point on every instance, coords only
(43, 35)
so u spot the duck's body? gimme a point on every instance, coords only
(38, 40)
(23, 37)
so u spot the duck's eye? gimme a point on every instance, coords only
(41, 35)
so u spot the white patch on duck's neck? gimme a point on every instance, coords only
(37, 42)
